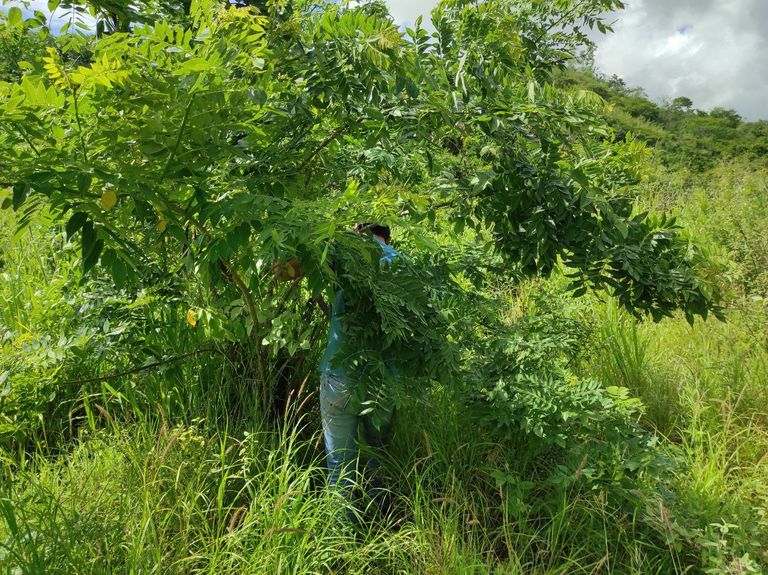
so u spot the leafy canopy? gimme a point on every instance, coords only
(216, 141)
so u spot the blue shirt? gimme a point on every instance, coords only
(336, 336)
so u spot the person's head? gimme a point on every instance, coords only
(378, 230)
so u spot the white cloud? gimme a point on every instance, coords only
(680, 44)
(405, 12)
(712, 52)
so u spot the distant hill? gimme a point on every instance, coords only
(686, 137)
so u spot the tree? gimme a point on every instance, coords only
(617, 83)
(682, 103)
(731, 117)
(219, 147)
(20, 40)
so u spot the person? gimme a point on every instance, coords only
(343, 419)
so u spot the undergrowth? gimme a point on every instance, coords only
(626, 447)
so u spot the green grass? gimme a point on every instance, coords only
(705, 387)
(190, 499)
(171, 470)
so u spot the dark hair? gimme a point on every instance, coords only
(376, 229)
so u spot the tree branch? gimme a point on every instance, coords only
(178, 138)
(227, 267)
(324, 144)
(142, 368)
(246, 293)
(27, 139)
(79, 125)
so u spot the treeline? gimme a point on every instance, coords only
(685, 136)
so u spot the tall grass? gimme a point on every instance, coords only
(31, 278)
(151, 498)
(631, 357)
(704, 388)
(170, 470)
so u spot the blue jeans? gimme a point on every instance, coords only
(343, 427)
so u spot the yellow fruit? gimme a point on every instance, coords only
(191, 318)
(108, 200)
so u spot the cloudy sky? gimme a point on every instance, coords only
(713, 51)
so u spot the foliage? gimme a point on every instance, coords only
(188, 498)
(523, 384)
(686, 137)
(55, 335)
(735, 196)
(215, 147)
(704, 386)
(22, 42)
(207, 142)
(183, 150)
(397, 321)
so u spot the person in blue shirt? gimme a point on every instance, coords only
(343, 424)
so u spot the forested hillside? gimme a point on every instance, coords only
(685, 137)
(580, 321)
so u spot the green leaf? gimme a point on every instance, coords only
(93, 256)
(20, 191)
(75, 223)
(532, 91)
(579, 291)
(88, 240)
(580, 178)
(621, 225)
(193, 65)
(119, 272)
(15, 16)
(177, 232)
(84, 182)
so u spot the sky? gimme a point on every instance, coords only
(714, 52)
